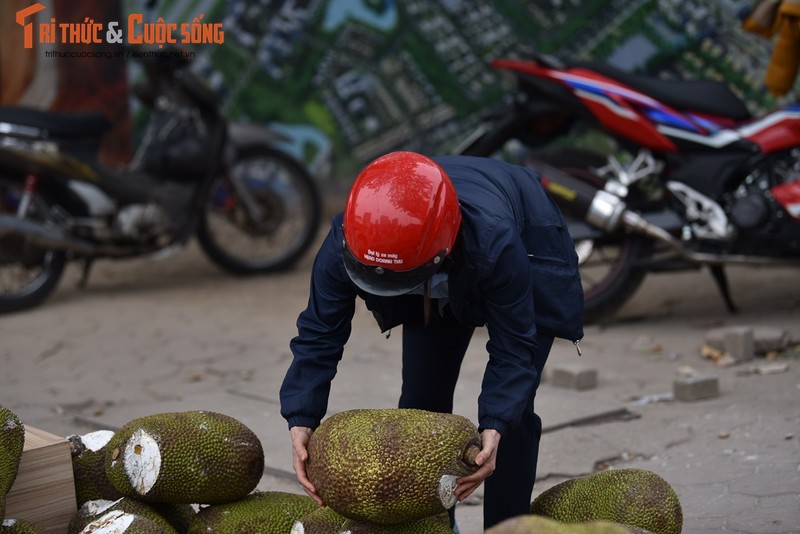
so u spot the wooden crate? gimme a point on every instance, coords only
(44, 490)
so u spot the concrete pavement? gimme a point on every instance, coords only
(153, 336)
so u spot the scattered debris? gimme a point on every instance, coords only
(731, 345)
(765, 338)
(646, 345)
(712, 353)
(718, 356)
(616, 414)
(765, 369)
(726, 361)
(651, 399)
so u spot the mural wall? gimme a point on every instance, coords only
(347, 80)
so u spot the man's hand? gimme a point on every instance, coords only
(300, 436)
(486, 459)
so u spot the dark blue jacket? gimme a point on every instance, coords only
(514, 270)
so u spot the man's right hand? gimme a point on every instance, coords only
(300, 437)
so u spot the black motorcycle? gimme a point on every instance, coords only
(252, 207)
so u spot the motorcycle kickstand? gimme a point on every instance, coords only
(87, 267)
(718, 272)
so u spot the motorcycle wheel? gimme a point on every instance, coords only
(28, 273)
(611, 267)
(291, 211)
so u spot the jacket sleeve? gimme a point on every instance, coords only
(323, 328)
(507, 289)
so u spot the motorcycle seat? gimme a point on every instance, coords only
(77, 124)
(701, 96)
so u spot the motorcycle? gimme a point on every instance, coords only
(674, 174)
(252, 207)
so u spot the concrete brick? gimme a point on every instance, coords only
(739, 343)
(695, 387)
(574, 376)
(765, 338)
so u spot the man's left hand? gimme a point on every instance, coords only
(486, 460)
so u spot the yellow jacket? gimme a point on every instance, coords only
(781, 17)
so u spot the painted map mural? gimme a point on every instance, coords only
(347, 80)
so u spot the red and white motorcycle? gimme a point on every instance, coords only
(691, 179)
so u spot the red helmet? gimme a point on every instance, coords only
(400, 221)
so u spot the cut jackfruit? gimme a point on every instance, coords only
(119, 522)
(91, 511)
(19, 526)
(88, 467)
(185, 457)
(390, 466)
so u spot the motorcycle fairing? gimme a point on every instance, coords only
(776, 131)
(623, 110)
(705, 97)
(672, 115)
(788, 196)
(610, 102)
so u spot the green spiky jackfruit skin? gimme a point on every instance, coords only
(12, 441)
(635, 497)
(93, 510)
(383, 466)
(323, 520)
(261, 512)
(89, 473)
(536, 524)
(179, 515)
(206, 458)
(326, 521)
(19, 526)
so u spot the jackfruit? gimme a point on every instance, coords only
(185, 457)
(119, 522)
(634, 497)
(88, 467)
(179, 515)
(536, 524)
(12, 441)
(261, 512)
(390, 466)
(91, 511)
(324, 520)
(19, 526)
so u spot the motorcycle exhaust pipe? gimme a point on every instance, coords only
(609, 213)
(634, 222)
(43, 236)
(599, 208)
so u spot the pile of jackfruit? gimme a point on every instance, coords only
(390, 471)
